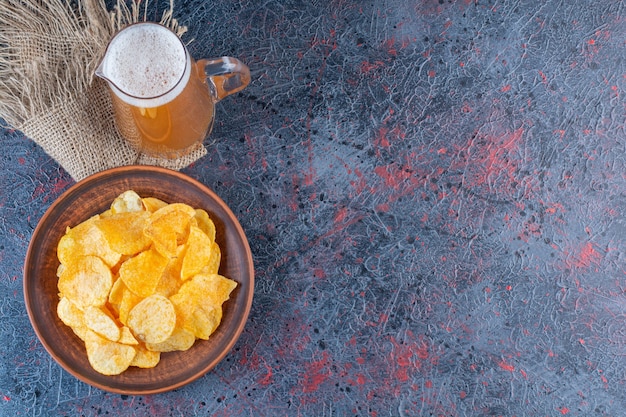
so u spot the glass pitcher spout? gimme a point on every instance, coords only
(99, 72)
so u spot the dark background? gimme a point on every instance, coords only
(434, 193)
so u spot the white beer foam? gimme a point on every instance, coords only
(146, 61)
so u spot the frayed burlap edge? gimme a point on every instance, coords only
(49, 50)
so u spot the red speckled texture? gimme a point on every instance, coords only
(434, 196)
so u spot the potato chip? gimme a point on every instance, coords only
(198, 303)
(213, 289)
(169, 226)
(72, 316)
(152, 204)
(69, 313)
(205, 223)
(80, 331)
(170, 280)
(145, 358)
(83, 240)
(180, 339)
(129, 301)
(124, 231)
(197, 254)
(86, 282)
(205, 320)
(126, 202)
(117, 292)
(185, 307)
(107, 357)
(106, 213)
(102, 322)
(213, 266)
(126, 337)
(142, 273)
(153, 319)
(115, 269)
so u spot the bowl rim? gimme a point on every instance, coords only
(138, 170)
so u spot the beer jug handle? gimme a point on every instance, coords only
(224, 75)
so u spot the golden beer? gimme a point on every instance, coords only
(163, 99)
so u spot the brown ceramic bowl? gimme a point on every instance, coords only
(94, 195)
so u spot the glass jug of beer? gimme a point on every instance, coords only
(163, 99)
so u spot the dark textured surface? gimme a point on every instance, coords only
(434, 196)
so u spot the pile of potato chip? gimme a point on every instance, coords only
(140, 279)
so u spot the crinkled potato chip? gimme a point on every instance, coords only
(198, 253)
(124, 231)
(205, 320)
(126, 337)
(69, 313)
(198, 303)
(170, 280)
(117, 292)
(145, 358)
(152, 204)
(205, 223)
(126, 202)
(212, 289)
(169, 226)
(107, 357)
(83, 240)
(106, 213)
(213, 266)
(129, 301)
(184, 306)
(180, 339)
(142, 273)
(86, 282)
(153, 319)
(72, 316)
(140, 279)
(102, 322)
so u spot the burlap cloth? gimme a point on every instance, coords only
(49, 50)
